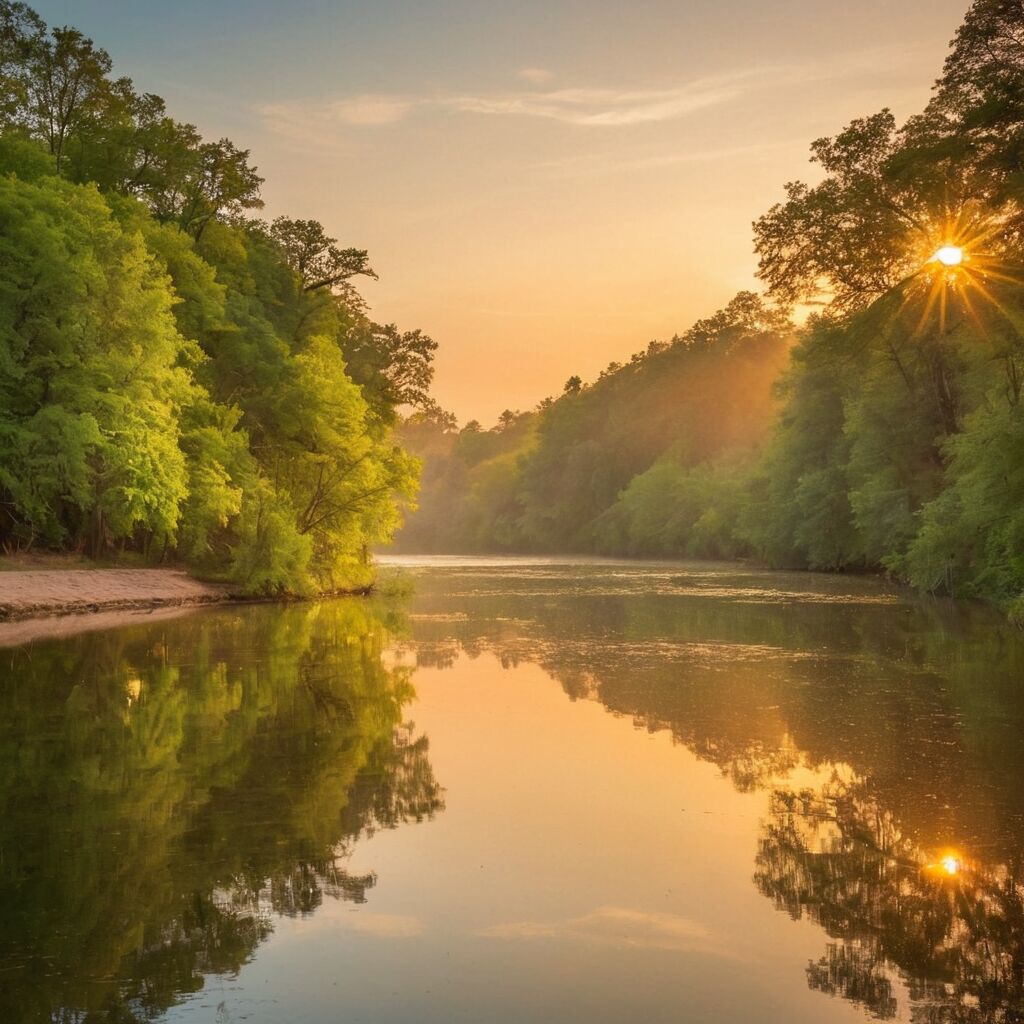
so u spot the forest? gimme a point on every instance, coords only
(862, 414)
(182, 381)
(179, 380)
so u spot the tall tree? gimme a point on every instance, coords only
(315, 257)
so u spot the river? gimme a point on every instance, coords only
(518, 790)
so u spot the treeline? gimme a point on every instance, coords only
(177, 378)
(603, 467)
(898, 438)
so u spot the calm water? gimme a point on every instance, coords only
(524, 792)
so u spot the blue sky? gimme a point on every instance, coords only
(543, 187)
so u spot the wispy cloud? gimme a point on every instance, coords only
(299, 120)
(593, 165)
(536, 75)
(590, 107)
(596, 107)
(623, 927)
(602, 107)
(371, 109)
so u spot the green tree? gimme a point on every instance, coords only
(315, 257)
(175, 378)
(92, 380)
(395, 368)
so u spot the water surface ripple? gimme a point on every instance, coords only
(521, 790)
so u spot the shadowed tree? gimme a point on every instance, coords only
(394, 367)
(315, 257)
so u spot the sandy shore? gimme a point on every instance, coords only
(32, 593)
(60, 627)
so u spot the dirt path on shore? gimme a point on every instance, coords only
(41, 592)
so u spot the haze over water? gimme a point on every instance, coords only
(528, 791)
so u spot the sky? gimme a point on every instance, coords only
(543, 187)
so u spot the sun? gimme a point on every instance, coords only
(949, 865)
(950, 255)
(960, 274)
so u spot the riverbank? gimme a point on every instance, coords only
(37, 593)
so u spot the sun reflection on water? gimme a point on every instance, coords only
(950, 864)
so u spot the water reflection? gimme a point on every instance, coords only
(888, 733)
(836, 854)
(171, 791)
(166, 791)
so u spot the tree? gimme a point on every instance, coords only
(60, 81)
(93, 377)
(171, 382)
(22, 35)
(554, 478)
(218, 183)
(315, 257)
(340, 473)
(432, 413)
(978, 107)
(508, 419)
(858, 233)
(395, 368)
(98, 129)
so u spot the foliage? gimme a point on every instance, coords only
(178, 380)
(971, 539)
(672, 509)
(560, 478)
(92, 381)
(897, 442)
(315, 257)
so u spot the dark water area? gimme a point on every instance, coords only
(521, 791)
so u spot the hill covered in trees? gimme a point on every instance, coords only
(897, 441)
(177, 378)
(614, 467)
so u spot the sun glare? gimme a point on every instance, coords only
(950, 256)
(958, 275)
(950, 864)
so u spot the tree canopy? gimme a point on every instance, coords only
(895, 438)
(178, 380)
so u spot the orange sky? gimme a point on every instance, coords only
(543, 187)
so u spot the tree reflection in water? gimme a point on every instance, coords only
(167, 790)
(835, 854)
(883, 730)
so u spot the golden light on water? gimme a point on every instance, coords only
(950, 255)
(949, 865)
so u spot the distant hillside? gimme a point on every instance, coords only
(566, 476)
